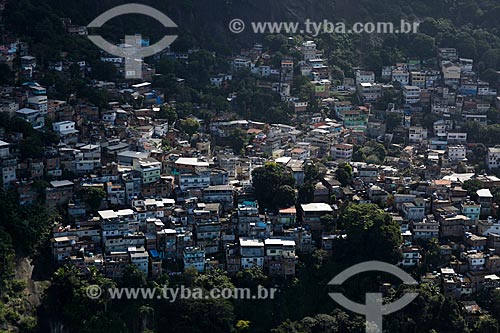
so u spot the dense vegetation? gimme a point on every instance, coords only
(24, 232)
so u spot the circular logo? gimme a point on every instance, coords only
(237, 26)
(93, 291)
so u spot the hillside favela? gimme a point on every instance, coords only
(233, 166)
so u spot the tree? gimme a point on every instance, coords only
(306, 193)
(168, 112)
(215, 278)
(479, 152)
(31, 147)
(65, 303)
(145, 313)
(486, 324)
(430, 311)
(311, 176)
(392, 121)
(372, 234)
(358, 154)
(5, 73)
(472, 186)
(285, 196)
(328, 220)
(423, 46)
(344, 173)
(336, 322)
(242, 326)
(238, 140)
(491, 76)
(133, 277)
(104, 71)
(93, 197)
(189, 126)
(268, 182)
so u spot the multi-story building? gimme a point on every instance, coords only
(418, 79)
(248, 213)
(34, 117)
(88, 159)
(308, 50)
(440, 129)
(427, 229)
(208, 234)
(39, 103)
(411, 256)
(365, 77)
(223, 194)
(417, 134)
(197, 180)
(367, 173)
(342, 152)
(59, 192)
(453, 225)
(369, 92)
(140, 258)
(149, 168)
(485, 199)
(414, 211)
(116, 263)
(411, 94)
(471, 209)
(166, 243)
(8, 165)
(457, 138)
(63, 247)
(312, 214)
(451, 73)
(493, 157)
(251, 252)
(401, 76)
(280, 258)
(287, 70)
(355, 119)
(9, 107)
(194, 257)
(456, 153)
(66, 130)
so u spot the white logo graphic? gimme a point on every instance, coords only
(133, 52)
(374, 308)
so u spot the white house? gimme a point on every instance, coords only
(493, 157)
(417, 134)
(342, 151)
(456, 153)
(365, 77)
(411, 94)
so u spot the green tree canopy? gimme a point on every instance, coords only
(344, 173)
(189, 126)
(273, 185)
(371, 233)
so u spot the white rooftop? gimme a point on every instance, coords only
(192, 161)
(60, 183)
(108, 214)
(278, 241)
(124, 212)
(133, 154)
(316, 207)
(27, 111)
(484, 193)
(250, 242)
